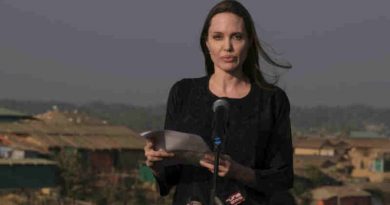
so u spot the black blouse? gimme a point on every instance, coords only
(259, 137)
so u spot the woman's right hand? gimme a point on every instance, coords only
(153, 156)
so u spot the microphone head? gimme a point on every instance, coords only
(220, 103)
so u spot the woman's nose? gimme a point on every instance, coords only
(227, 46)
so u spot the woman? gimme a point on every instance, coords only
(257, 156)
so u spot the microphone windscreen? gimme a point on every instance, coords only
(220, 103)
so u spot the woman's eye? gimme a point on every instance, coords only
(238, 37)
(217, 37)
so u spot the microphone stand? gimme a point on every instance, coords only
(217, 151)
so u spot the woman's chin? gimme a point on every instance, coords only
(231, 67)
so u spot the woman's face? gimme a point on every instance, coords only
(227, 42)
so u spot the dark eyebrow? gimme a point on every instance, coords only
(240, 33)
(235, 33)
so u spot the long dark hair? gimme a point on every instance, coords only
(251, 66)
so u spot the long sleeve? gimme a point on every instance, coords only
(169, 176)
(276, 173)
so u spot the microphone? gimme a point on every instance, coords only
(221, 110)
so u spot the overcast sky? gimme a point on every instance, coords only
(133, 51)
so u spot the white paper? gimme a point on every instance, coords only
(188, 148)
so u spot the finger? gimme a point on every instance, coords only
(223, 168)
(222, 162)
(206, 165)
(209, 157)
(222, 174)
(164, 153)
(158, 154)
(225, 163)
(153, 153)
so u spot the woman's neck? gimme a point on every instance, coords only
(229, 84)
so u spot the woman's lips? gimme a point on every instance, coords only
(228, 59)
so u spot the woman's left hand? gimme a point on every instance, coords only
(226, 164)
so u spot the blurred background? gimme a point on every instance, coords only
(80, 79)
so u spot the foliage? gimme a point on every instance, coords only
(138, 118)
(335, 119)
(301, 185)
(318, 178)
(75, 179)
(78, 182)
